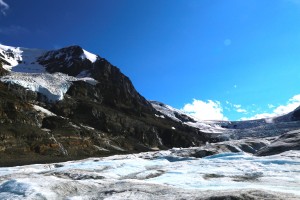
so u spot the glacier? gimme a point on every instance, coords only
(156, 175)
(53, 86)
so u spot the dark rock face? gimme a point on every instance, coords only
(2, 71)
(86, 104)
(296, 114)
(115, 88)
(66, 60)
(14, 108)
(184, 118)
(286, 142)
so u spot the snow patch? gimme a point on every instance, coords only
(89, 80)
(43, 110)
(89, 56)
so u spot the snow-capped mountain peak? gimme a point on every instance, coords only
(36, 69)
(18, 59)
(69, 54)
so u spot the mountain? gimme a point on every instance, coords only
(69, 104)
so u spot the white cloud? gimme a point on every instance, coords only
(291, 105)
(271, 106)
(237, 106)
(227, 108)
(3, 6)
(210, 110)
(240, 110)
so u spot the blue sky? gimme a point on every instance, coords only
(216, 59)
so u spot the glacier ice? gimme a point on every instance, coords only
(112, 177)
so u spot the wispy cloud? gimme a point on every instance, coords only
(13, 30)
(4, 7)
(210, 110)
(237, 107)
(271, 106)
(240, 110)
(291, 105)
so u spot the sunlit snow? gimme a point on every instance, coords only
(89, 56)
(22, 59)
(43, 110)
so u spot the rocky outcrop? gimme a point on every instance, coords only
(2, 71)
(285, 142)
(249, 145)
(296, 114)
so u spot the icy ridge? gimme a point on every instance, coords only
(180, 116)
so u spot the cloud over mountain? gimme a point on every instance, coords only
(291, 105)
(210, 110)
